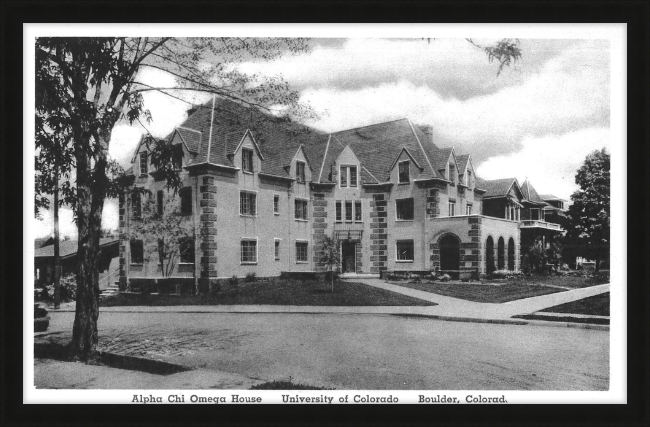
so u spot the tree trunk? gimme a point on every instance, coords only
(57, 258)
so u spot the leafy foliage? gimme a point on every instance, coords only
(331, 255)
(68, 289)
(161, 233)
(588, 217)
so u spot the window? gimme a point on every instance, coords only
(452, 174)
(137, 252)
(469, 178)
(534, 214)
(404, 250)
(404, 209)
(452, 208)
(338, 210)
(348, 211)
(353, 176)
(301, 209)
(177, 157)
(357, 211)
(159, 204)
(344, 176)
(186, 200)
(404, 171)
(186, 249)
(301, 251)
(136, 205)
(143, 163)
(247, 203)
(247, 160)
(276, 204)
(249, 251)
(277, 249)
(300, 172)
(468, 209)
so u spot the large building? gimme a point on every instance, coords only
(260, 194)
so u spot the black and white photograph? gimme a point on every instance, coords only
(379, 214)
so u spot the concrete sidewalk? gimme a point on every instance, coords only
(53, 374)
(448, 308)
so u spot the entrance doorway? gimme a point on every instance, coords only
(348, 257)
(450, 255)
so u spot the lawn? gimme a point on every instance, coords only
(564, 281)
(597, 305)
(276, 292)
(482, 293)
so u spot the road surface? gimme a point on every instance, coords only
(347, 351)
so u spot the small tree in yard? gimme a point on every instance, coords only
(162, 233)
(331, 255)
(537, 256)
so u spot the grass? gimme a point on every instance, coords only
(564, 281)
(276, 292)
(483, 293)
(597, 305)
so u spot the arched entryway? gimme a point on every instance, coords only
(450, 254)
(501, 254)
(511, 254)
(489, 255)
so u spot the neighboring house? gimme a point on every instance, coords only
(44, 260)
(556, 208)
(261, 194)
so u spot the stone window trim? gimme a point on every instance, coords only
(404, 212)
(248, 203)
(247, 160)
(276, 243)
(302, 251)
(301, 209)
(348, 176)
(404, 251)
(246, 255)
(300, 172)
(403, 172)
(276, 204)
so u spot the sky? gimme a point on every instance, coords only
(537, 119)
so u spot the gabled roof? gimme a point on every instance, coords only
(496, 187)
(547, 197)
(191, 138)
(69, 247)
(376, 146)
(441, 157)
(530, 193)
(461, 162)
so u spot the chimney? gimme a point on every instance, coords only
(427, 130)
(192, 109)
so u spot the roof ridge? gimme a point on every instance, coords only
(322, 165)
(424, 152)
(370, 125)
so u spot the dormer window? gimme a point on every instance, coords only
(247, 160)
(143, 163)
(452, 174)
(404, 168)
(300, 172)
(469, 179)
(348, 176)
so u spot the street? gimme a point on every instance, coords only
(351, 351)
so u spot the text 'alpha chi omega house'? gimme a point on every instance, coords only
(260, 194)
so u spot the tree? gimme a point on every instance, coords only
(588, 216)
(163, 233)
(331, 255)
(85, 86)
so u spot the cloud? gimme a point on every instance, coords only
(550, 162)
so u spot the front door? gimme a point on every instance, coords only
(348, 253)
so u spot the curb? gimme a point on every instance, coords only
(463, 319)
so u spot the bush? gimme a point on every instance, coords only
(67, 290)
(445, 278)
(233, 281)
(506, 274)
(250, 277)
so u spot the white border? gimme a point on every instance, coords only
(615, 33)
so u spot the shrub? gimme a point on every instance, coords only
(67, 290)
(445, 278)
(250, 277)
(233, 281)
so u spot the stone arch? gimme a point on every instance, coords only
(511, 254)
(449, 245)
(501, 254)
(490, 266)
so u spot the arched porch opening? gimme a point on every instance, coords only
(501, 254)
(450, 255)
(489, 255)
(511, 254)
